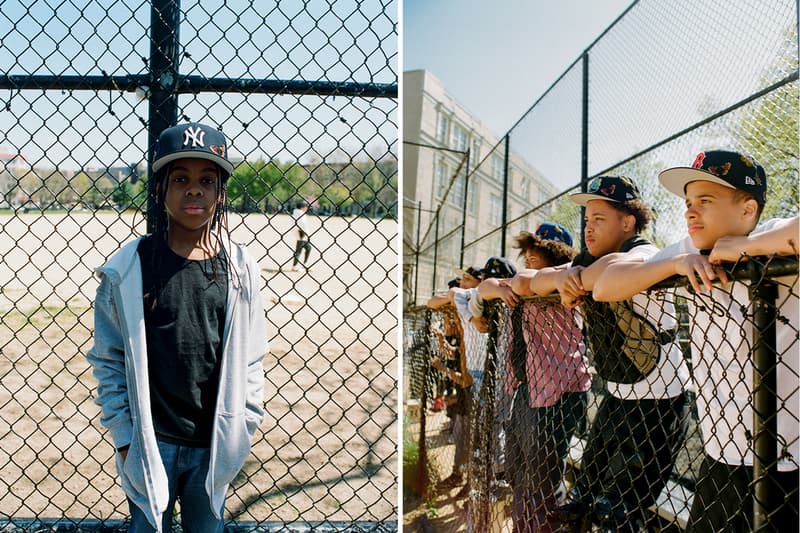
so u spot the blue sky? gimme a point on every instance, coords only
(498, 60)
(349, 40)
(662, 68)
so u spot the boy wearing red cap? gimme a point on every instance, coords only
(725, 192)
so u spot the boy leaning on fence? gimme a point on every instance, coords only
(547, 378)
(725, 192)
(179, 341)
(641, 422)
(470, 342)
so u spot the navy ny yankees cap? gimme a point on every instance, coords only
(192, 140)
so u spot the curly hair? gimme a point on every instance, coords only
(640, 210)
(553, 252)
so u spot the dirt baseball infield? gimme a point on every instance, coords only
(327, 448)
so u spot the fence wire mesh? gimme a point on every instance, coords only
(553, 444)
(306, 95)
(636, 102)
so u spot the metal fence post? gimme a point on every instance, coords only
(584, 138)
(764, 295)
(163, 110)
(505, 197)
(464, 212)
(416, 253)
(435, 250)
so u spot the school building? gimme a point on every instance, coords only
(438, 131)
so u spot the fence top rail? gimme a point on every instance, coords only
(748, 269)
(194, 84)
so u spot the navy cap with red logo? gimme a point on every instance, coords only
(725, 167)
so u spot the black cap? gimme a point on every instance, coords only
(192, 140)
(611, 188)
(499, 267)
(725, 167)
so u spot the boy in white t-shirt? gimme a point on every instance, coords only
(725, 193)
(641, 423)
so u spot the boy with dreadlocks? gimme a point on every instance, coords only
(179, 343)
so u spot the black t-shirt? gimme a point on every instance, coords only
(184, 313)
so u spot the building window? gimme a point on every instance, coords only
(444, 127)
(457, 194)
(544, 196)
(525, 188)
(472, 198)
(495, 210)
(497, 167)
(459, 139)
(441, 179)
(476, 152)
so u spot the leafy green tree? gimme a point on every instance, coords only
(268, 183)
(127, 196)
(768, 130)
(99, 193)
(8, 184)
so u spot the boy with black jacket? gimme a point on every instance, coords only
(641, 422)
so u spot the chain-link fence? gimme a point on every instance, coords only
(603, 414)
(306, 95)
(663, 83)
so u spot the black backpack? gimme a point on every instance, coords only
(625, 345)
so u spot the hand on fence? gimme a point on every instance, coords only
(570, 287)
(520, 284)
(699, 270)
(729, 249)
(507, 294)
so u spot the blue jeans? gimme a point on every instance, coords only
(187, 469)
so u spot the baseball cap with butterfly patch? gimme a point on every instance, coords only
(725, 167)
(611, 188)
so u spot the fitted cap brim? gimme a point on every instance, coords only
(193, 154)
(464, 273)
(582, 198)
(676, 179)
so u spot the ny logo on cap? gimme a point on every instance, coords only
(196, 135)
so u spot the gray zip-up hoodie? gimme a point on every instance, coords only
(119, 361)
